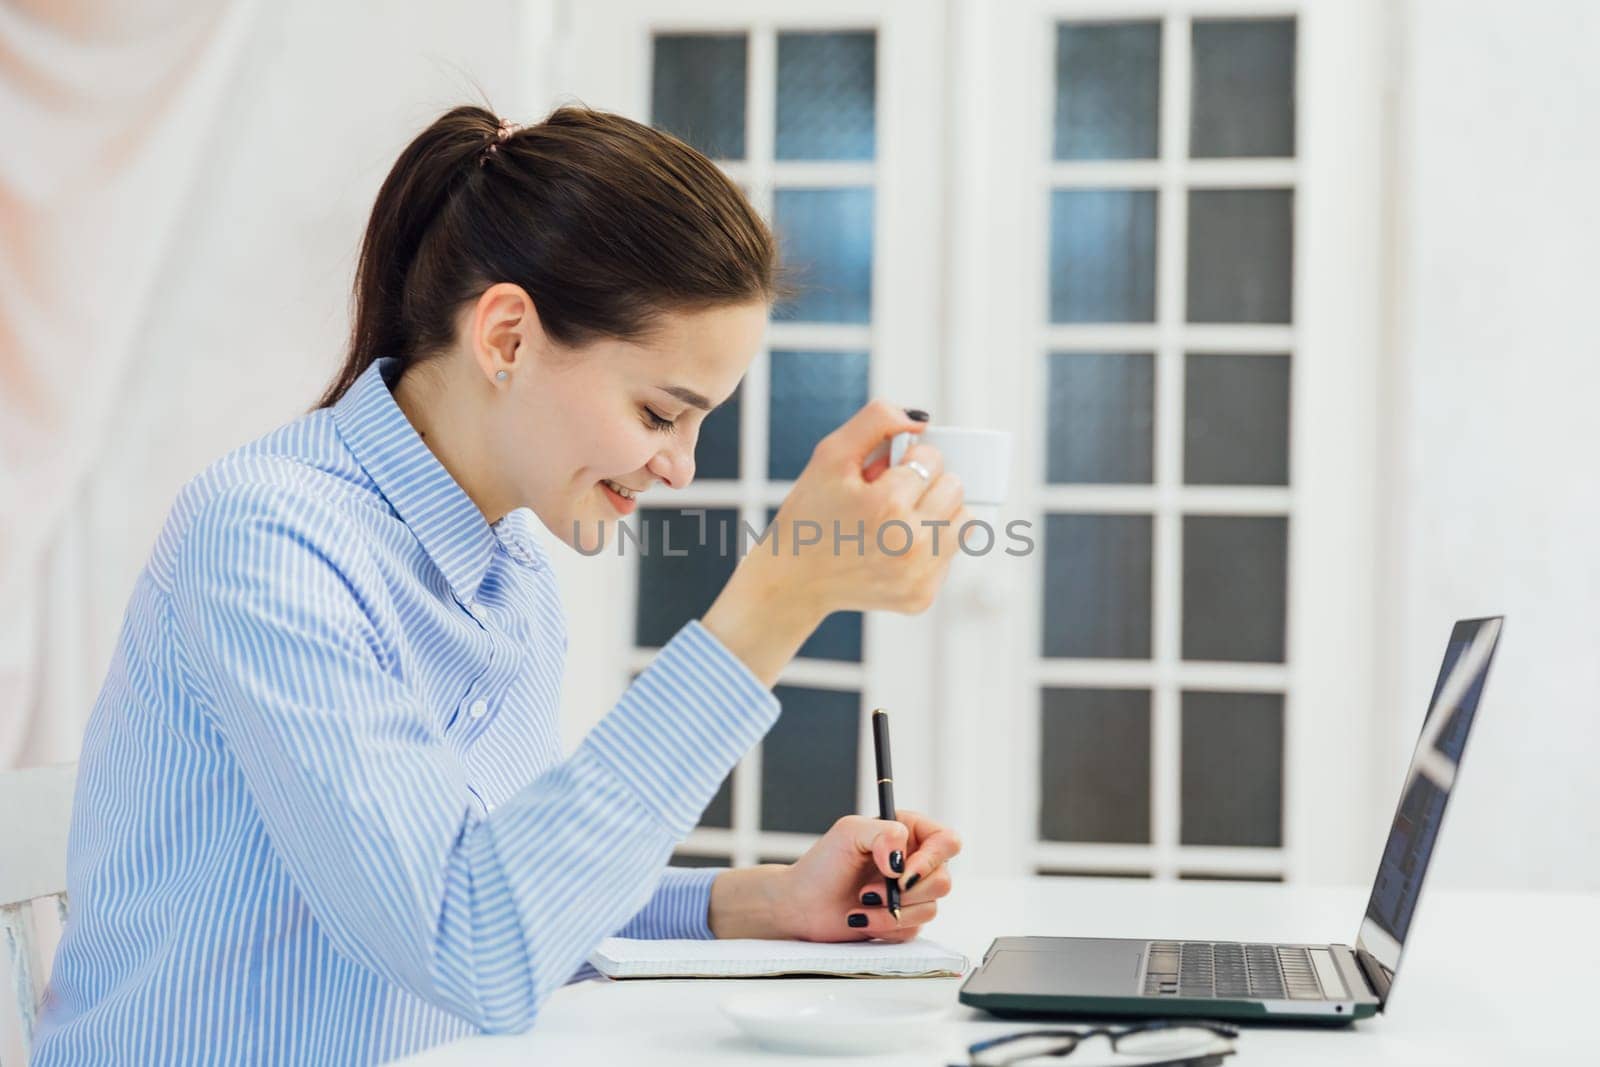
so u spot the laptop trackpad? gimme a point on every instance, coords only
(1073, 966)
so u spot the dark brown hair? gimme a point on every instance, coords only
(604, 221)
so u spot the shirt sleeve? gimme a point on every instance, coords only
(277, 605)
(679, 908)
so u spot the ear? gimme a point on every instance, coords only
(504, 329)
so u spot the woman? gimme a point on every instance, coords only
(322, 815)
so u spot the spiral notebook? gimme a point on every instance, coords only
(620, 957)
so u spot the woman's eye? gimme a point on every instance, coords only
(658, 423)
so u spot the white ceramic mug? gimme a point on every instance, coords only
(980, 458)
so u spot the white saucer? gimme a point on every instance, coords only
(833, 1022)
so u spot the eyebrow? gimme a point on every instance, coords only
(688, 396)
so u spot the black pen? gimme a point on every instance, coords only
(880, 750)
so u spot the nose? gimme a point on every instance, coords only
(674, 465)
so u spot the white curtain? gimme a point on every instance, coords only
(105, 112)
(183, 187)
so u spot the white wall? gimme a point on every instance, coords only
(1494, 501)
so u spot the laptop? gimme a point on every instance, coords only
(1331, 984)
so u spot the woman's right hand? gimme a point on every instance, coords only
(893, 547)
(782, 590)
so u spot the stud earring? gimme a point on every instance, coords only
(501, 376)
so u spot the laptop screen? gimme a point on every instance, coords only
(1427, 786)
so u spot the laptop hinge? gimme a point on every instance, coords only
(1379, 978)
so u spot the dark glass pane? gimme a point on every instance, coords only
(1241, 255)
(1094, 766)
(1243, 88)
(674, 588)
(691, 859)
(1097, 586)
(826, 237)
(1101, 418)
(719, 813)
(1108, 90)
(1102, 255)
(697, 91)
(827, 95)
(1236, 420)
(1235, 569)
(808, 760)
(839, 636)
(812, 394)
(1232, 789)
(716, 454)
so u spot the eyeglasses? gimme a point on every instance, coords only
(1157, 1043)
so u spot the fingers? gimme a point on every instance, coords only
(943, 498)
(935, 845)
(867, 429)
(876, 463)
(902, 482)
(885, 842)
(930, 844)
(935, 886)
(878, 922)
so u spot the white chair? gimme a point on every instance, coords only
(35, 810)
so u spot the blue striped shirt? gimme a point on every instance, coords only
(322, 813)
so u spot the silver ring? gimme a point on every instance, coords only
(926, 474)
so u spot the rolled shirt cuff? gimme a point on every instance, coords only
(680, 907)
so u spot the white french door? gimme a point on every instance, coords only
(1177, 305)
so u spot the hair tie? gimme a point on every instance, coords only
(502, 134)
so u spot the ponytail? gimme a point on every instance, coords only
(605, 222)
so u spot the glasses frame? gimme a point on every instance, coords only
(1114, 1035)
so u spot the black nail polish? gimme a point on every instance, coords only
(872, 900)
(858, 920)
(916, 414)
(913, 880)
(897, 863)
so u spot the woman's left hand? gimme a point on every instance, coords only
(842, 875)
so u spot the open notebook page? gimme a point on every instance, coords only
(618, 957)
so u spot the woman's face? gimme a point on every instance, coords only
(587, 429)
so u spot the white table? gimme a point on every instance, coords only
(1490, 978)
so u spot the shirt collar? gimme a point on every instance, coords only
(517, 531)
(452, 530)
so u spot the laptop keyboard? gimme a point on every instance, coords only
(1229, 970)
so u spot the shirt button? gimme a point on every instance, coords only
(479, 709)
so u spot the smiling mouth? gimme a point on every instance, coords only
(621, 490)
